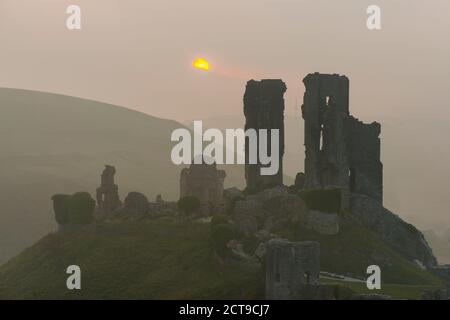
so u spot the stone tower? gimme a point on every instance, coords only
(340, 150)
(292, 269)
(108, 193)
(264, 109)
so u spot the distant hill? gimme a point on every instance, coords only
(58, 144)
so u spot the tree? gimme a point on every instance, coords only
(189, 205)
(81, 208)
(221, 235)
(61, 208)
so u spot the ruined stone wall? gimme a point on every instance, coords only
(204, 182)
(264, 109)
(108, 193)
(340, 151)
(366, 169)
(324, 110)
(292, 269)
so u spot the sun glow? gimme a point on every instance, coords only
(201, 64)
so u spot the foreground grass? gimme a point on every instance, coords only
(396, 291)
(165, 259)
(154, 260)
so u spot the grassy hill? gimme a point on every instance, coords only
(170, 259)
(155, 260)
(58, 144)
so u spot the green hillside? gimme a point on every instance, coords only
(355, 248)
(154, 260)
(170, 259)
(58, 144)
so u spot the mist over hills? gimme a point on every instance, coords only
(440, 244)
(58, 144)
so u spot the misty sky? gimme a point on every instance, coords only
(138, 53)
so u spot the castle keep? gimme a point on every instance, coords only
(264, 109)
(340, 150)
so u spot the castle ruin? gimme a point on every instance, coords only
(264, 109)
(205, 182)
(108, 193)
(340, 150)
(292, 269)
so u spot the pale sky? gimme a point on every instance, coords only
(138, 53)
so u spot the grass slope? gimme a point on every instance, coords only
(164, 259)
(396, 291)
(355, 248)
(155, 260)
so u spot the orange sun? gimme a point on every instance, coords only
(201, 64)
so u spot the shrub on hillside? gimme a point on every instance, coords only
(76, 209)
(219, 219)
(230, 205)
(189, 205)
(221, 235)
(82, 207)
(325, 200)
(61, 208)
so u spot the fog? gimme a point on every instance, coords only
(138, 54)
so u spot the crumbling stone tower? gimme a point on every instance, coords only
(341, 151)
(206, 183)
(264, 109)
(108, 192)
(292, 269)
